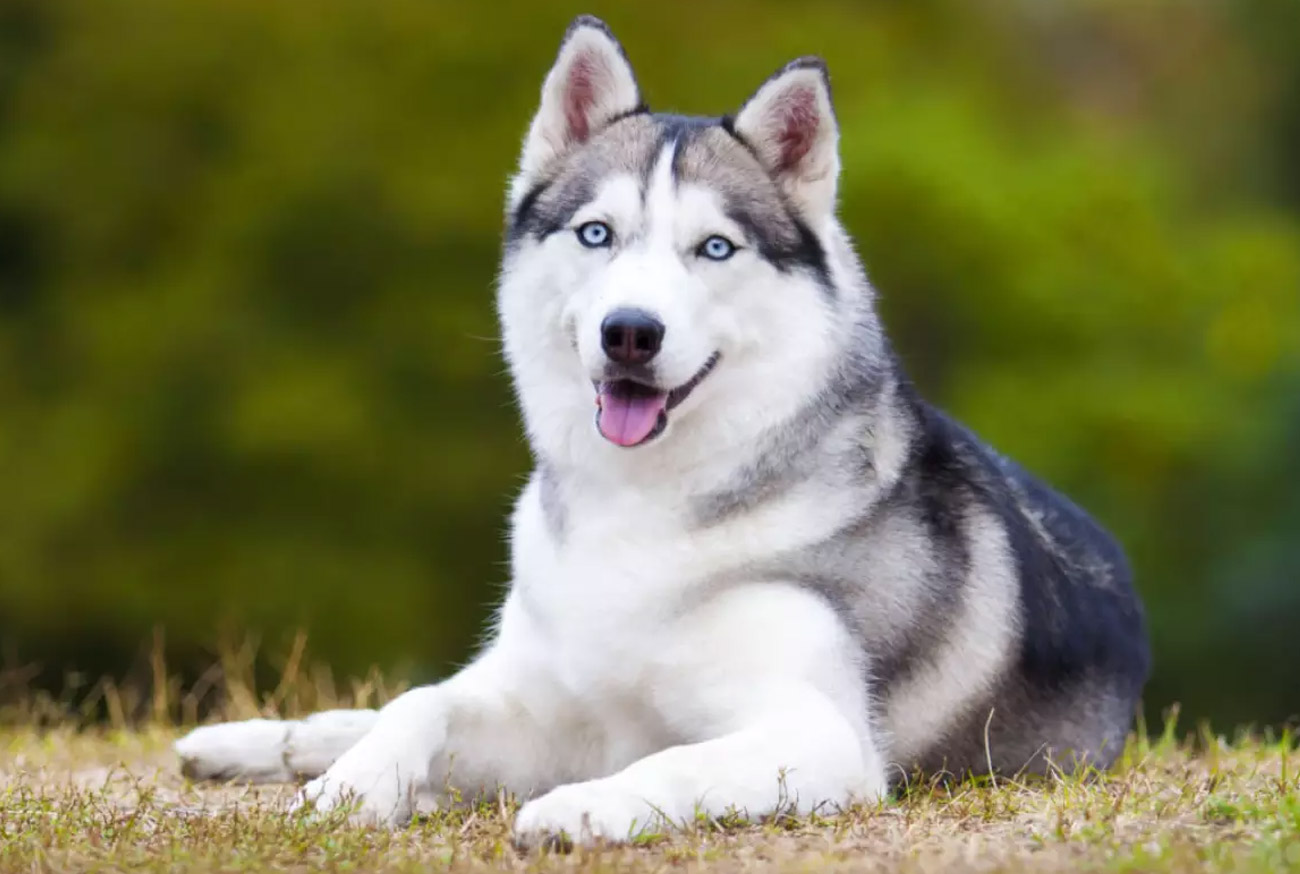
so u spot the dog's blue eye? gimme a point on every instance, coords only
(717, 248)
(595, 235)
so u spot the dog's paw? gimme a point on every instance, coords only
(374, 790)
(252, 750)
(585, 813)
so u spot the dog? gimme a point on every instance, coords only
(752, 571)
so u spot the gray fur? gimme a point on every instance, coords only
(789, 454)
(552, 502)
(947, 537)
(629, 145)
(706, 154)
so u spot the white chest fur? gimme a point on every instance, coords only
(618, 604)
(619, 566)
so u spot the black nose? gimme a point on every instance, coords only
(631, 336)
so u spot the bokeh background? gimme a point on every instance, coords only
(248, 376)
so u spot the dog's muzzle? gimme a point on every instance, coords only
(630, 412)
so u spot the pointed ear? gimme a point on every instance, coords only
(591, 84)
(790, 123)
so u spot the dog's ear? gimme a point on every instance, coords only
(790, 123)
(590, 85)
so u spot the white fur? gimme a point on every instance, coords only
(620, 689)
(774, 331)
(272, 750)
(619, 696)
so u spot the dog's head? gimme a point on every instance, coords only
(671, 283)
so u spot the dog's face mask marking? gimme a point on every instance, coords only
(663, 268)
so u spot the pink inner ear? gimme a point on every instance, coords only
(797, 127)
(580, 97)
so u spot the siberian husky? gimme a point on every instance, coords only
(753, 570)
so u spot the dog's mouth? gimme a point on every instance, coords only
(630, 413)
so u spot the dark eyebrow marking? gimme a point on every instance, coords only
(777, 230)
(550, 206)
(522, 213)
(791, 248)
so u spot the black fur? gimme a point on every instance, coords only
(547, 208)
(806, 254)
(1083, 643)
(1081, 656)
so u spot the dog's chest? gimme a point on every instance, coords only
(610, 583)
(613, 608)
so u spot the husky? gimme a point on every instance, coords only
(752, 571)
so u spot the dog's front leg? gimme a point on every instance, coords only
(473, 732)
(779, 763)
(769, 678)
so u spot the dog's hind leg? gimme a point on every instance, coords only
(272, 750)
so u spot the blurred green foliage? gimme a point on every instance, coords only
(248, 374)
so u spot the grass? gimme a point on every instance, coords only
(110, 797)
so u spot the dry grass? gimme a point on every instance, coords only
(115, 800)
(112, 798)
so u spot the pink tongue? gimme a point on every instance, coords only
(627, 420)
